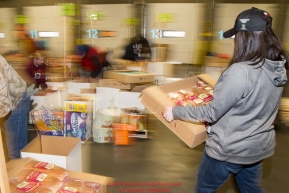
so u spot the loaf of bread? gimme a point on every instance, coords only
(21, 186)
(71, 185)
(45, 179)
(48, 168)
(77, 185)
(91, 187)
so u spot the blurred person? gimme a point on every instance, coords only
(137, 49)
(90, 63)
(26, 44)
(246, 101)
(15, 106)
(36, 68)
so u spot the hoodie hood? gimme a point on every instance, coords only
(276, 71)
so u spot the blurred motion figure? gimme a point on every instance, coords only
(137, 49)
(90, 64)
(36, 68)
(14, 108)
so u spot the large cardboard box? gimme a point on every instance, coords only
(129, 76)
(155, 100)
(112, 83)
(62, 151)
(15, 166)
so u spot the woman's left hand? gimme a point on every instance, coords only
(168, 115)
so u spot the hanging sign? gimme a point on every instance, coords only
(131, 21)
(164, 17)
(67, 9)
(95, 15)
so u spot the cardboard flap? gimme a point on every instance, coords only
(90, 177)
(208, 79)
(161, 101)
(34, 146)
(54, 145)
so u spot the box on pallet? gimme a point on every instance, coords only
(112, 83)
(129, 76)
(155, 100)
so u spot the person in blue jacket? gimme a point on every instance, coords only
(245, 104)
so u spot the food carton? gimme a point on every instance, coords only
(155, 100)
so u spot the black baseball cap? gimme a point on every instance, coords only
(253, 19)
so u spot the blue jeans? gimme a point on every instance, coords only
(16, 127)
(213, 173)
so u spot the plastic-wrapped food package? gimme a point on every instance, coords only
(76, 185)
(20, 186)
(201, 94)
(36, 176)
(48, 120)
(48, 168)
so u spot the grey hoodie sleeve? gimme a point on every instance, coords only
(228, 91)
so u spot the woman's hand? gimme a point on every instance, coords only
(168, 115)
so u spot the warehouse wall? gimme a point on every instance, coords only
(201, 20)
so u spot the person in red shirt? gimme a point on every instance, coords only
(90, 64)
(37, 70)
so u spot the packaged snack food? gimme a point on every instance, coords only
(48, 168)
(201, 94)
(47, 119)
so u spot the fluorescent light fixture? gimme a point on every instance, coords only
(48, 34)
(2, 35)
(174, 34)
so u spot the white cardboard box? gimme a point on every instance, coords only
(56, 85)
(62, 151)
(75, 87)
(121, 99)
(160, 68)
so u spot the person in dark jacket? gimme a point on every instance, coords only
(90, 64)
(137, 49)
(246, 100)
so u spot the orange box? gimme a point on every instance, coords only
(120, 137)
(129, 127)
(121, 133)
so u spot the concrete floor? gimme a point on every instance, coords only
(163, 157)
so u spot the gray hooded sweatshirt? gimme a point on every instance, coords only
(241, 115)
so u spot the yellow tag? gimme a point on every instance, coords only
(76, 107)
